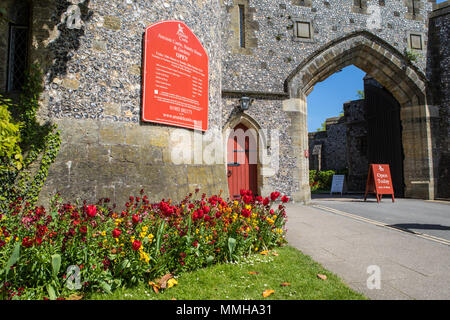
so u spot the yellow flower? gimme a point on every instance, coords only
(150, 237)
(144, 229)
(270, 221)
(236, 203)
(7, 239)
(103, 233)
(172, 282)
(143, 234)
(144, 256)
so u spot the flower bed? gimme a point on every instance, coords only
(85, 248)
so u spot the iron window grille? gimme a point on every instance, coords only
(17, 57)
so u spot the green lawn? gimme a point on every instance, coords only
(233, 281)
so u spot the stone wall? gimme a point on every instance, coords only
(317, 156)
(333, 143)
(93, 93)
(439, 73)
(356, 145)
(269, 118)
(279, 65)
(91, 55)
(266, 65)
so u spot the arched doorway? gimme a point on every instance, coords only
(395, 73)
(242, 155)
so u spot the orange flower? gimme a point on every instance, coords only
(267, 292)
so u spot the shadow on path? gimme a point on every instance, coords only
(409, 226)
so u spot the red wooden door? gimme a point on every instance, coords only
(242, 163)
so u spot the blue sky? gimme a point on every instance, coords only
(328, 97)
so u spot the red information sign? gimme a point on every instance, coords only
(379, 181)
(175, 77)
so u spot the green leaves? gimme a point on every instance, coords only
(24, 141)
(56, 264)
(106, 287)
(60, 254)
(231, 246)
(10, 151)
(51, 292)
(13, 258)
(159, 235)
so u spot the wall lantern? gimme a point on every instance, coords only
(244, 103)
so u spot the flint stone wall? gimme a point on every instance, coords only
(439, 71)
(93, 82)
(333, 141)
(93, 93)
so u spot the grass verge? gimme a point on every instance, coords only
(247, 280)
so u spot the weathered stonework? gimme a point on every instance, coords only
(333, 142)
(439, 73)
(244, 72)
(93, 93)
(93, 87)
(374, 38)
(356, 135)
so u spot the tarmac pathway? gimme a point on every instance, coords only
(423, 217)
(356, 248)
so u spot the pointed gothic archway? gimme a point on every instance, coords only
(253, 131)
(392, 70)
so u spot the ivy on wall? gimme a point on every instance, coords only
(28, 148)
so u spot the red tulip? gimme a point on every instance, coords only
(116, 233)
(136, 245)
(91, 211)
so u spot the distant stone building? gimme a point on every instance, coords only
(438, 71)
(356, 137)
(332, 144)
(274, 52)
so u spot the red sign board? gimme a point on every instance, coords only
(175, 79)
(379, 181)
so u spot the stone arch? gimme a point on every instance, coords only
(246, 120)
(396, 73)
(262, 142)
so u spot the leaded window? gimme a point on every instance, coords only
(17, 56)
